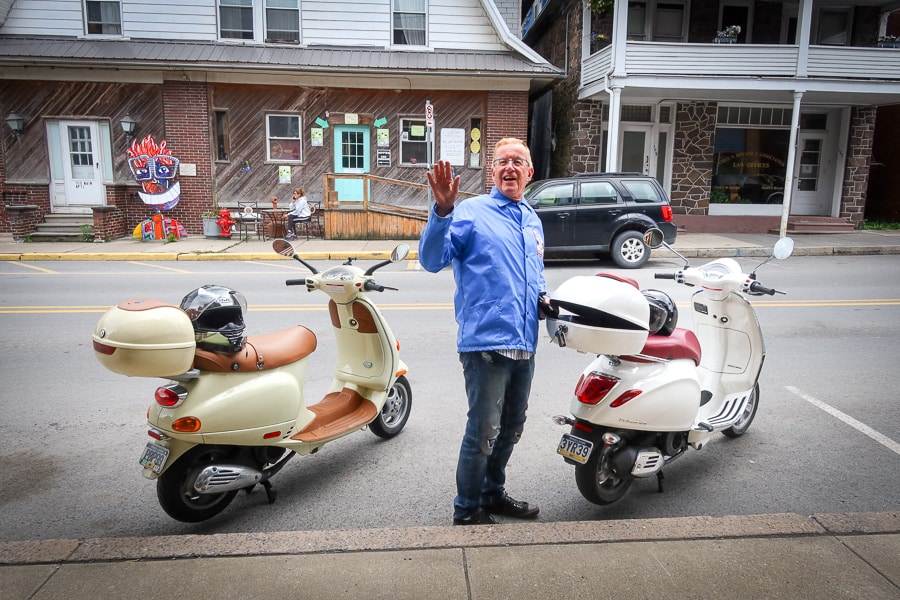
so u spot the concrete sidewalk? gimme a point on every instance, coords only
(778, 556)
(201, 248)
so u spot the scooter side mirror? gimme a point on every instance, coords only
(654, 237)
(399, 253)
(783, 248)
(283, 247)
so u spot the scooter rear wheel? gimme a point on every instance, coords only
(741, 426)
(395, 413)
(175, 492)
(597, 483)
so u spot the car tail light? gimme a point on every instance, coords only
(593, 388)
(667, 213)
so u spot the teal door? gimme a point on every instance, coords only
(351, 155)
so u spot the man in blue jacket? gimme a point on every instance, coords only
(495, 244)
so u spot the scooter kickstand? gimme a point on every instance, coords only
(270, 491)
(659, 482)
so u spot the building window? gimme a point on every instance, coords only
(222, 134)
(236, 19)
(283, 142)
(282, 21)
(669, 22)
(834, 27)
(413, 144)
(103, 18)
(409, 22)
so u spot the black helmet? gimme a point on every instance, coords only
(663, 312)
(217, 314)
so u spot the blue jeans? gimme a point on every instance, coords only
(497, 388)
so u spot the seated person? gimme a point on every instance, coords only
(299, 211)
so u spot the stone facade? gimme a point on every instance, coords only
(859, 158)
(695, 129)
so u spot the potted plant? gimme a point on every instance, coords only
(209, 216)
(729, 35)
(888, 41)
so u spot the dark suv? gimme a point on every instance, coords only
(601, 213)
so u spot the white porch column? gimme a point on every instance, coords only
(612, 131)
(791, 160)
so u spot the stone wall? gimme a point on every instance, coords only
(695, 129)
(859, 158)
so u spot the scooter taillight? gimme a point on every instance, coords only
(594, 387)
(171, 395)
(629, 395)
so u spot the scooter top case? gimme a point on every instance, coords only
(144, 337)
(599, 315)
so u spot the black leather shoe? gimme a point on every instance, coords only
(513, 508)
(479, 518)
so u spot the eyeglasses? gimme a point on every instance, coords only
(516, 162)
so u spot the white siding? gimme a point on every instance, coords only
(45, 17)
(187, 20)
(337, 22)
(461, 24)
(452, 24)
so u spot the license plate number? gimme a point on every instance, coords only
(154, 457)
(575, 448)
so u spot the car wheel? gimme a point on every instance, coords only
(629, 250)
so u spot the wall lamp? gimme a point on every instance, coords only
(128, 125)
(17, 124)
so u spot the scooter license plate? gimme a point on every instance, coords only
(154, 457)
(575, 448)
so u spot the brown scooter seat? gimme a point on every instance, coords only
(260, 352)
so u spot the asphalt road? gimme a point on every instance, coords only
(825, 438)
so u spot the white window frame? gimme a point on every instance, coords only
(272, 5)
(239, 5)
(397, 11)
(848, 21)
(103, 24)
(273, 139)
(650, 7)
(406, 123)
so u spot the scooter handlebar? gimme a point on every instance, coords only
(758, 288)
(295, 282)
(664, 276)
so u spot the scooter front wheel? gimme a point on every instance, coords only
(741, 426)
(597, 482)
(395, 413)
(175, 487)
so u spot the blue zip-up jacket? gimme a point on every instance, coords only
(496, 247)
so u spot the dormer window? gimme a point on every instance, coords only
(103, 17)
(236, 19)
(409, 19)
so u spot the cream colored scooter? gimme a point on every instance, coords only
(226, 422)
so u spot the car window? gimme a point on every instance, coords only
(598, 192)
(642, 191)
(552, 195)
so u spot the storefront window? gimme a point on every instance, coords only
(749, 166)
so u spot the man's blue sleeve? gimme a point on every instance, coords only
(434, 244)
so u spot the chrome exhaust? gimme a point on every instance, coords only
(216, 479)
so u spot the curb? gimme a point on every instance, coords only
(198, 256)
(443, 537)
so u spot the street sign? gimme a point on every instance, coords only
(429, 114)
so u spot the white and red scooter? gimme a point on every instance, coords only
(233, 413)
(655, 389)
